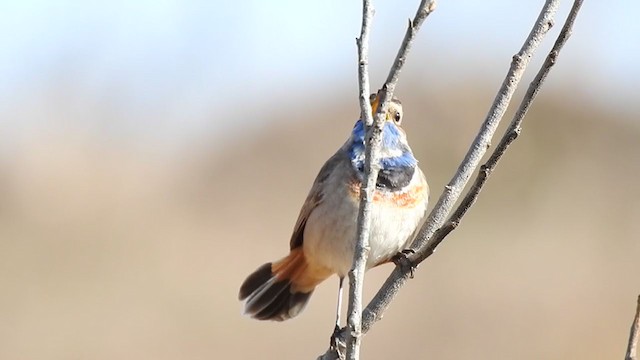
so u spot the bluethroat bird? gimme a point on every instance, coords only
(324, 237)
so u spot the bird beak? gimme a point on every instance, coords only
(375, 102)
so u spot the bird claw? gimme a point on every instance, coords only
(401, 259)
(337, 341)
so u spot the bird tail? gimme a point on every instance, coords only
(280, 290)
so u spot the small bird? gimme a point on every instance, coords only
(324, 237)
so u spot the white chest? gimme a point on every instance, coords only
(330, 233)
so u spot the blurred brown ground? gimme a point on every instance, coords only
(108, 254)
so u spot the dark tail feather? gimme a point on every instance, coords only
(269, 298)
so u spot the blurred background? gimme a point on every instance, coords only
(154, 153)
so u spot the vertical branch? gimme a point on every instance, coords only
(371, 168)
(481, 143)
(634, 334)
(363, 64)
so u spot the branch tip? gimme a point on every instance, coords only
(431, 7)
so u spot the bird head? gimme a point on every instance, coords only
(394, 110)
(395, 152)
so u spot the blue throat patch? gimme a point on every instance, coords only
(391, 140)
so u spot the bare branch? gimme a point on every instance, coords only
(634, 334)
(363, 63)
(371, 168)
(425, 8)
(436, 219)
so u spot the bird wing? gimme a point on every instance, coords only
(315, 197)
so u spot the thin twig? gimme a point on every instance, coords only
(425, 8)
(371, 168)
(374, 138)
(453, 190)
(634, 334)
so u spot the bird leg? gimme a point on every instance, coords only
(337, 329)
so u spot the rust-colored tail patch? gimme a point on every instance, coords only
(279, 291)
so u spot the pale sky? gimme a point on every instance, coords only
(135, 62)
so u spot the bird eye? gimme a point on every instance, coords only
(397, 118)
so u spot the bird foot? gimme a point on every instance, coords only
(337, 342)
(401, 259)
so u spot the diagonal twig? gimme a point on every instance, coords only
(425, 8)
(634, 334)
